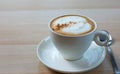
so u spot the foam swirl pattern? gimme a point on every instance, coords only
(71, 25)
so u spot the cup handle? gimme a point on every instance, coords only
(101, 37)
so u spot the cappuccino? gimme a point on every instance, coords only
(72, 25)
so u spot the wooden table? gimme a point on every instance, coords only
(21, 31)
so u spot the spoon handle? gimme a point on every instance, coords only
(114, 64)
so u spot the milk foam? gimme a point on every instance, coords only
(79, 24)
(77, 28)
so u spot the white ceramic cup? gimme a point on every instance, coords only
(73, 47)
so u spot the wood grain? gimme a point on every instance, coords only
(21, 31)
(6, 5)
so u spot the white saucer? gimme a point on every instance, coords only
(50, 57)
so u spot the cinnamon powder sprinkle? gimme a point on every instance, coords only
(60, 26)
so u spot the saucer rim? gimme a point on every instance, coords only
(103, 55)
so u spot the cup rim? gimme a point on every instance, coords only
(73, 35)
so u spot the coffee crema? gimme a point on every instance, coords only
(72, 25)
